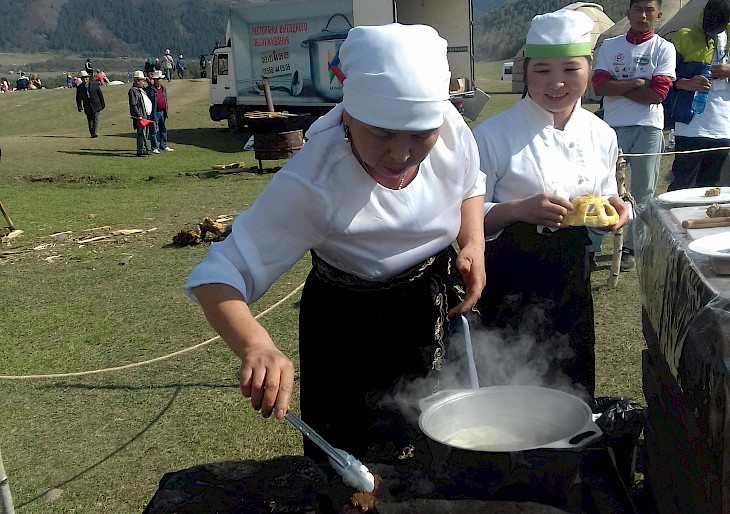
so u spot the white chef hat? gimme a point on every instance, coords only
(397, 76)
(563, 33)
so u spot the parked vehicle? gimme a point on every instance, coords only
(295, 44)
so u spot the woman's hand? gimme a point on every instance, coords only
(267, 375)
(623, 213)
(470, 263)
(542, 209)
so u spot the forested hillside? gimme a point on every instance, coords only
(140, 28)
(110, 28)
(500, 33)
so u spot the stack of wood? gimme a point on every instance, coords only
(196, 234)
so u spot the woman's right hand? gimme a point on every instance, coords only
(542, 209)
(267, 377)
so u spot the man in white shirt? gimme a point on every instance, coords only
(705, 43)
(634, 73)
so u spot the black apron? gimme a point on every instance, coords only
(360, 342)
(539, 285)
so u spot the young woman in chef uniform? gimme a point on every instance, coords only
(386, 182)
(537, 156)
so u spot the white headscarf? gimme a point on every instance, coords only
(397, 76)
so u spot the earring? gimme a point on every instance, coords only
(347, 134)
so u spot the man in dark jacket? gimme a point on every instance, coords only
(140, 108)
(90, 100)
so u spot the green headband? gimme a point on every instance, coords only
(550, 51)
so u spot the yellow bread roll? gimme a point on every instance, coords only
(591, 211)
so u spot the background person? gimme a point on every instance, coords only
(203, 67)
(180, 67)
(704, 43)
(634, 73)
(160, 111)
(90, 99)
(35, 82)
(140, 106)
(386, 182)
(23, 82)
(168, 63)
(151, 129)
(537, 156)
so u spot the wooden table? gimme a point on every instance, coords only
(686, 324)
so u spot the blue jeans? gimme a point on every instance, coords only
(168, 74)
(644, 170)
(152, 132)
(161, 131)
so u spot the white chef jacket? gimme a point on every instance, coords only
(323, 199)
(523, 154)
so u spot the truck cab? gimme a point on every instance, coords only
(294, 45)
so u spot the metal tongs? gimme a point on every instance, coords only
(353, 472)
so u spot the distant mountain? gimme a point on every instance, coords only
(142, 28)
(112, 28)
(483, 6)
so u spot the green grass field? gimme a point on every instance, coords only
(101, 441)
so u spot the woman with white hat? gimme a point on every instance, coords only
(538, 156)
(387, 180)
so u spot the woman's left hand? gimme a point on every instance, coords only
(621, 209)
(470, 263)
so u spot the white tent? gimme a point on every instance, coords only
(601, 22)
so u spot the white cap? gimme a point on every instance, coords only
(563, 33)
(138, 75)
(396, 76)
(84, 73)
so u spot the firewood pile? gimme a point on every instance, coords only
(197, 234)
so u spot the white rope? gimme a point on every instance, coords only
(675, 153)
(144, 363)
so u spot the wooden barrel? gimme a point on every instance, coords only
(277, 145)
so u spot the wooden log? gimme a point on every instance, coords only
(618, 236)
(706, 222)
(7, 218)
(267, 94)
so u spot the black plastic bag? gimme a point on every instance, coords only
(622, 422)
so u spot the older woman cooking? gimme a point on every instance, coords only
(387, 180)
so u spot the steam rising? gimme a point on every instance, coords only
(502, 357)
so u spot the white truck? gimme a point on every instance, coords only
(294, 45)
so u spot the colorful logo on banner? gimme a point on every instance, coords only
(334, 67)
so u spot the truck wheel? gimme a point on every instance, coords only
(234, 121)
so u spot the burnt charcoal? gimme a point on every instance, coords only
(284, 484)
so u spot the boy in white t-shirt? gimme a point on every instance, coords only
(634, 73)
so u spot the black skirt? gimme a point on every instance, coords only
(539, 285)
(363, 342)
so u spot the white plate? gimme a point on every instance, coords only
(716, 246)
(694, 195)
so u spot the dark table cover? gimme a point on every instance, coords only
(686, 323)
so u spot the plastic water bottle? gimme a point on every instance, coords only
(700, 99)
(671, 143)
